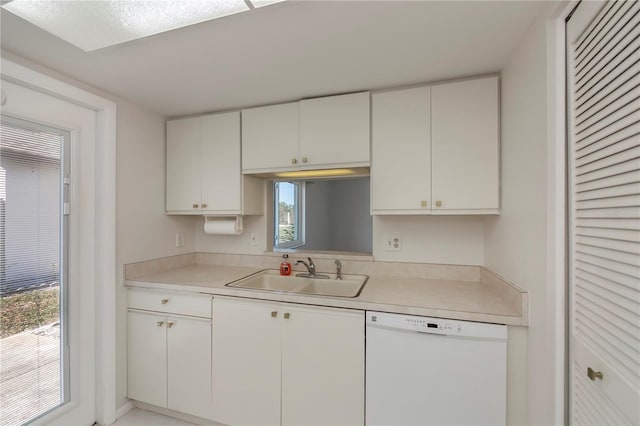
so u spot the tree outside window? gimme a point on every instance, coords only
(288, 226)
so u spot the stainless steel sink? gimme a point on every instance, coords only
(271, 280)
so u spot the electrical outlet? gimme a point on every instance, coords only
(179, 239)
(394, 243)
(253, 239)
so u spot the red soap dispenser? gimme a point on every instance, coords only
(285, 266)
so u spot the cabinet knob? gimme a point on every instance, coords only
(169, 324)
(305, 159)
(438, 203)
(159, 323)
(274, 314)
(593, 375)
(423, 203)
(286, 315)
(195, 206)
(164, 301)
(294, 160)
(204, 206)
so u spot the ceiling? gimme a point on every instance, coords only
(289, 51)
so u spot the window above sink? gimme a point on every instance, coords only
(326, 215)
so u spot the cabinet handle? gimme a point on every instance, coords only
(438, 203)
(160, 323)
(423, 203)
(169, 324)
(195, 206)
(286, 315)
(204, 206)
(164, 301)
(294, 160)
(305, 159)
(593, 375)
(274, 314)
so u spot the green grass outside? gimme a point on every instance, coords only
(28, 310)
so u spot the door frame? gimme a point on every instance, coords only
(104, 240)
(556, 232)
(558, 283)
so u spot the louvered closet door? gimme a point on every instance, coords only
(603, 66)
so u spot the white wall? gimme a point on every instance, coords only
(351, 223)
(317, 215)
(516, 241)
(337, 215)
(237, 244)
(454, 240)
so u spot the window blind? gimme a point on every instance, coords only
(30, 271)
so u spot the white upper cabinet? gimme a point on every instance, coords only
(334, 130)
(329, 132)
(203, 168)
(220, 162)
(270, 137)
(184, 180)
(401, 151)
(465, 169)
(435, 150)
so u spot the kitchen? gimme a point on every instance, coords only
(524, 244)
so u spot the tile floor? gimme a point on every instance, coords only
(138, 417)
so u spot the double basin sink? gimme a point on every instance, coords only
(271, 280)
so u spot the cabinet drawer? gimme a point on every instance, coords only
(169, 302)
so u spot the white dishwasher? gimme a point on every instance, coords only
(434, 371)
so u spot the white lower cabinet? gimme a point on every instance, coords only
(169, 355)
(287, 364)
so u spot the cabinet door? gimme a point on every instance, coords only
(221, 183)
(270, 137)
(322, 367)
(335, 130)
(246, 362)
(147, 358)
(465, 149)
(401, 151)
(183, 165)
(189, 366)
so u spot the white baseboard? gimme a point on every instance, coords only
(176, 415)
(124, 409)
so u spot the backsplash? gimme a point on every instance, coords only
(351, 264)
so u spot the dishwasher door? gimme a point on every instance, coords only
(432, 371)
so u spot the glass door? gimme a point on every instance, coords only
(34, 368)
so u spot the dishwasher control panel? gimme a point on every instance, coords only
(435, 325)
(420, 324)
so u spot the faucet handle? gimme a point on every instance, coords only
(338, 270)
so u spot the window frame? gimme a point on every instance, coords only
(299, 216)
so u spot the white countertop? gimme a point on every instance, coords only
(464, 300)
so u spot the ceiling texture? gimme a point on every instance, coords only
(289, 51)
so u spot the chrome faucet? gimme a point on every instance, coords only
(311, 267)
(338, 270)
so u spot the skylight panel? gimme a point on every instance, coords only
(95, 24)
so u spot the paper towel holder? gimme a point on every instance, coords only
(238, 219)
